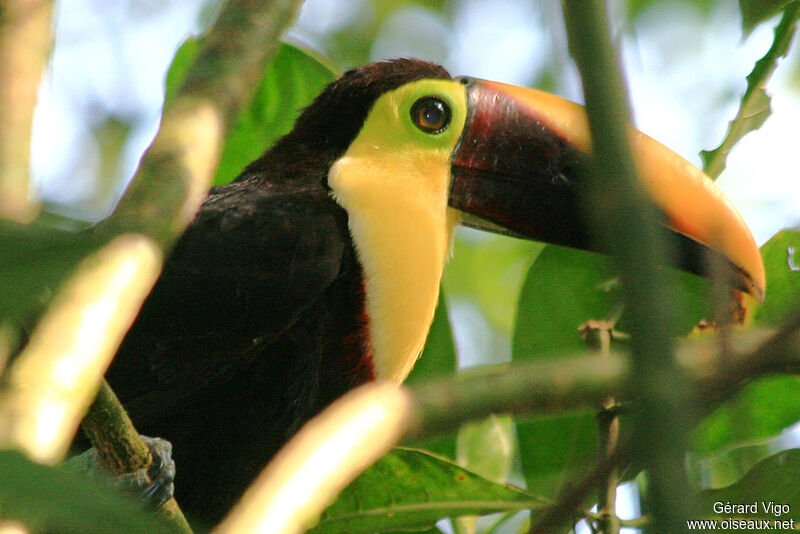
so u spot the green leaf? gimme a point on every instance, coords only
(636, 7)
(781, 255)
(773, 480)
(291, 82)
(438, 359)
(755, 105)
(424, 530)
(767, 406)
(408, 489)
(34, 260)
(754, 12)
(761, 410)
(55, 500)
(488, 270)
(183, 59)
(487, 447)
(564, 288)
(728, 467)
(439, 356)
(552, 449)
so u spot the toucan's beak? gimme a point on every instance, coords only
(518, 168)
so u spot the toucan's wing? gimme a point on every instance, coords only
(248, 267)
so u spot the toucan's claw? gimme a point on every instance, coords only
(160, 475)
(152, 486)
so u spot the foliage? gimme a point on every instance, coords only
(562, 291)
(409, 489)
(744, 419)
(57, 500)
(755, 104)
(293, 79)
(770, 481)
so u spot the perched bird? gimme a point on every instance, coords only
(318, 268)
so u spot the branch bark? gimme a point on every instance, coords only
(121, 450)
(627, 225)
(364, 424)
(25, 42)
(177, 170)
(234, 56)
(53, 381)
(582, 381)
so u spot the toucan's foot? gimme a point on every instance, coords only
(155, 485)
(152, 486)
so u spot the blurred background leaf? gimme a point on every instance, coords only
(771, 480)
(294, 77)
(754, 12)
(49, 499)
(730, 437)
(781, 256)
(438, 359)
(756, 105)
(563, 289)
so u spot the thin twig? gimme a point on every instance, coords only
(573, 495)
(607, 440)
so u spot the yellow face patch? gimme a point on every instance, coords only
(393, 182)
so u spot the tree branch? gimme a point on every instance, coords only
(177, 170)
(627, 226)
(25, 42)
(582, 381)
(54, 379)
(542, 386)
(362, 425)
(234, 56)
(574, 494)
(121, 450)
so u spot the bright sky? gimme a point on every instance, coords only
(683, 73)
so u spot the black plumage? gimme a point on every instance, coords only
(257, 321)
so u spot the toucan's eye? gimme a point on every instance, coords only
(430, 114)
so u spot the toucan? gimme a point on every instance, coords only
(318, 268)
